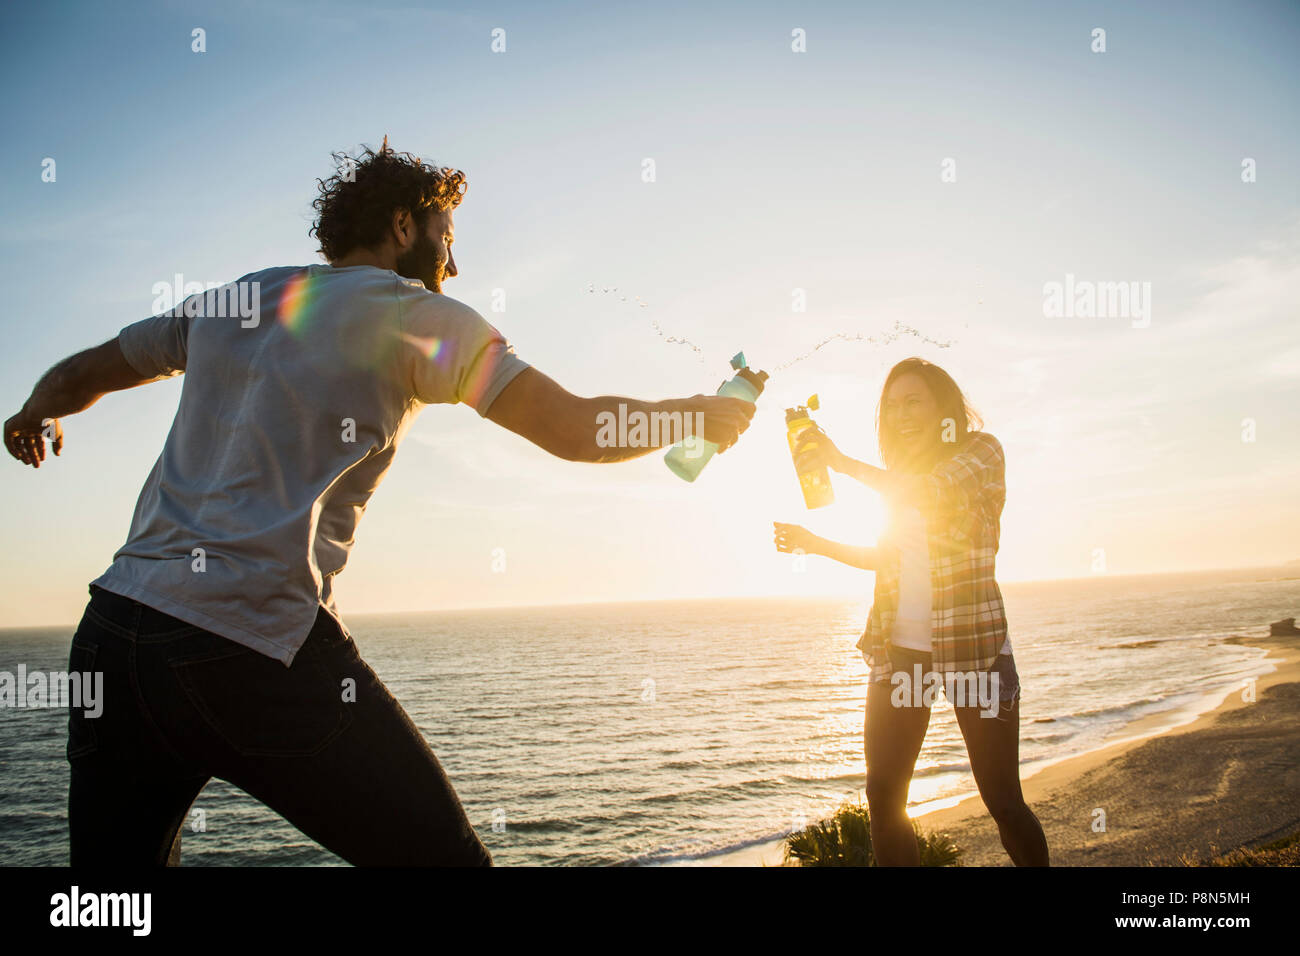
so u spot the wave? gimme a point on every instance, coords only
(1118, 709)
(700, 850)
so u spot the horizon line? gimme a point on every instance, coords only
(1292, 563)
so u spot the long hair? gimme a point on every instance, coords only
(952, 406)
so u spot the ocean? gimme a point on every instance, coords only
(675, 731)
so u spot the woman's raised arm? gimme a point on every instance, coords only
(950, 486)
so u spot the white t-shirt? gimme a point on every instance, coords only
(286, 425)
(913, 623)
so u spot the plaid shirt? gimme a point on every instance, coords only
(962, 511)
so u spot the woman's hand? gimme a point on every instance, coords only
(792, 537)
(815, 447)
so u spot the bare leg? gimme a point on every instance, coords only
(993, 744)
(894, 736)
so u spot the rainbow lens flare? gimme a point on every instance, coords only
(295, 302)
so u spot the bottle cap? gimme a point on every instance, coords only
(755, 379)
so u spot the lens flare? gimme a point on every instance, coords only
(295, 302)
(430, 348)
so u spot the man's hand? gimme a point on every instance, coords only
(25, 436)
(71, 386)
(724, 418)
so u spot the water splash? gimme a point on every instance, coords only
(591, 287)
(677, 340)
(882, 338)
(659, 330)
(879, 338)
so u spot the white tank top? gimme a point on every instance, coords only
(912, 626)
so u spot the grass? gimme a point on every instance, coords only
(1283, 852)
(845, 840)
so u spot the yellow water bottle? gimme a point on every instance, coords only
(814, 480)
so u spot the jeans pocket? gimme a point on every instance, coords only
(261, 708)
(82, 736)
(1008, 678)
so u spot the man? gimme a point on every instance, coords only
(215, 626)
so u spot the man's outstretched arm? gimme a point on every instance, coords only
(569, 427)
(71, 386)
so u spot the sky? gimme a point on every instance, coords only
(937, 165)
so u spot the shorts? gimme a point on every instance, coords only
(905, 659)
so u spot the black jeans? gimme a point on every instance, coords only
(182, 705)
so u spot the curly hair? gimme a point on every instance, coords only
(356, 204)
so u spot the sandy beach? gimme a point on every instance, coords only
(1227, 779)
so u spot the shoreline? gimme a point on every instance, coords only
(1069, 789)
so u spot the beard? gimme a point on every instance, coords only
(422, 261)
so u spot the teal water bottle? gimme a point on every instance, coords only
(687, 458)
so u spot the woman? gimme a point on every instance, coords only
(937, 609)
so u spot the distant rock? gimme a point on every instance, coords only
(1283, 628)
